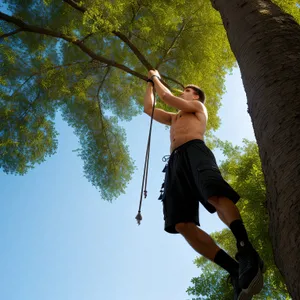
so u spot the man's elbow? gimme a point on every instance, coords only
(166, 96)
(147, 110)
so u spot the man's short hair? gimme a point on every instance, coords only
(198, 91)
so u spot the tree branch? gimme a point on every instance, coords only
(3, 36)
(171, 46)
(86, 37)
(75, 5)
(47, 69)
(183, 27)
(145, 40)
(134, 14)
(174, 80)
(203, 25)
(143, 59)
(73, 40)
(19, 88)
(101, 116)
(134, 49)
(102, 82)
(22, 115)
(36, 29)
(121, 36)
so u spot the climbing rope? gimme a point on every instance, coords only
(146, 164)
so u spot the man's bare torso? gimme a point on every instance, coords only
(187, 126)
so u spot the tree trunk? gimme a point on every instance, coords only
(266, 44)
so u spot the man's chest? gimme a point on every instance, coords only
(184, 118)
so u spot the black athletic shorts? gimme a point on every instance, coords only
(192, 175)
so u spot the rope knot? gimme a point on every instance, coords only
(139, 218)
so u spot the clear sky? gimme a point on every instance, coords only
(61, 241)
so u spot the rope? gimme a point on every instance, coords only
(146, 165)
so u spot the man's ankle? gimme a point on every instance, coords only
(226, 262)
(245, 246)
(239, 231)
(242, 245)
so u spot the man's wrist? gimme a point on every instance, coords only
(155, 76)
(150, 81)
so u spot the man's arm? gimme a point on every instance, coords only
(159, 115)
(166, 96)
(149, 98)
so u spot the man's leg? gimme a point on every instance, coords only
(230, 215)
(250, 262)
(204, 245)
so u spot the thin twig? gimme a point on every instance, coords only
(203, 25)
(134, 49)
(5, 35)
(86, 37)
(174, 80)
(45, 70)
(76, 6)
(171, 46)
(134, 16)
(30, 107)
(20, 87)
(101, 115)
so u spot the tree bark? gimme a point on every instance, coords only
(266, 44)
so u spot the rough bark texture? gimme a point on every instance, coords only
(266, 43)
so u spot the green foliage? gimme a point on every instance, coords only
(289, 6)
(103, 144)
(242, 169)
(26, 138)
(41, 74)
(74, 58)
(106, 16)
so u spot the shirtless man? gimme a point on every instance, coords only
(192, 175)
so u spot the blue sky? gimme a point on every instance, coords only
(60, 240)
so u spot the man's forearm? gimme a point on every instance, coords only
(160, 88)
(148, 99)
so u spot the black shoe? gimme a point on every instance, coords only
(251, 268)
(236, 288)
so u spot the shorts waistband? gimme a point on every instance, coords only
(183, 146)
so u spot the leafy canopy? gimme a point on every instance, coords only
(88, 60)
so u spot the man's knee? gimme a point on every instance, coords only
(185, 227)
(219, 201)
(214, 201)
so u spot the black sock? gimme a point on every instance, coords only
(226, 262)
(239, 231)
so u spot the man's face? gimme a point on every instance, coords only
(189, 94)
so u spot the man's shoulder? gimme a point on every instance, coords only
(203, 108)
